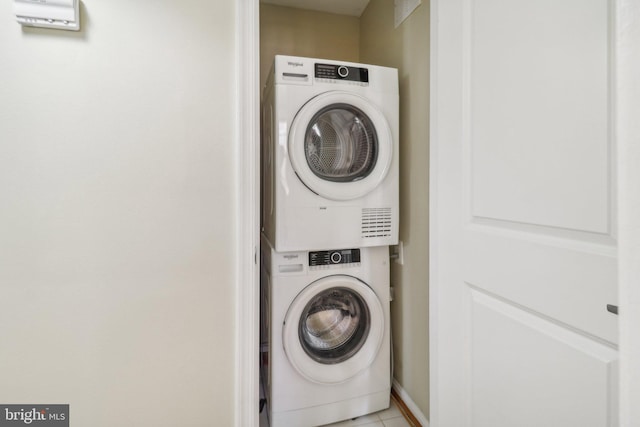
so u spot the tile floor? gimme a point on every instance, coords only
(391, 417)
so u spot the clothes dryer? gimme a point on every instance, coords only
(330, 155)
(328, 334)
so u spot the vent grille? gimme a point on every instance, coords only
(376, 222)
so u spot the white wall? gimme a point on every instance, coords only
(117, 172)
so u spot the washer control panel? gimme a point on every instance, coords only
(341, 256)
(341, 72)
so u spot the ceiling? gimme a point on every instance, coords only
(339, 7)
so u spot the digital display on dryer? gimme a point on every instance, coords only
(342, 256)
(341, 72)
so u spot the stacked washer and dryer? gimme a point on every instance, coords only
(329, 212)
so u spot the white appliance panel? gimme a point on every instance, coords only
(302, 209)
(337, 391)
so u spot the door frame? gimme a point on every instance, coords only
(626, 98)
(246, 376)
(627, 104)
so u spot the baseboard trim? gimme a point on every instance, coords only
(407, 406)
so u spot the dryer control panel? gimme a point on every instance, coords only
(341, 72)
(342, 256)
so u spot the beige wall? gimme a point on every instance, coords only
(407, 48)
(117, 180)
(290, 31)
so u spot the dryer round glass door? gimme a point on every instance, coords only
(333, 329)
(340, 145)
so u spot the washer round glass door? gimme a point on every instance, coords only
(340, 145)
(333, 329)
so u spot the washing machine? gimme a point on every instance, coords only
(327, 352)
(329, 155)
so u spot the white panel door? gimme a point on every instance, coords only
(523, 250)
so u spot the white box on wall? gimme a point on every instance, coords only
(59, 14)
(402, 9)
